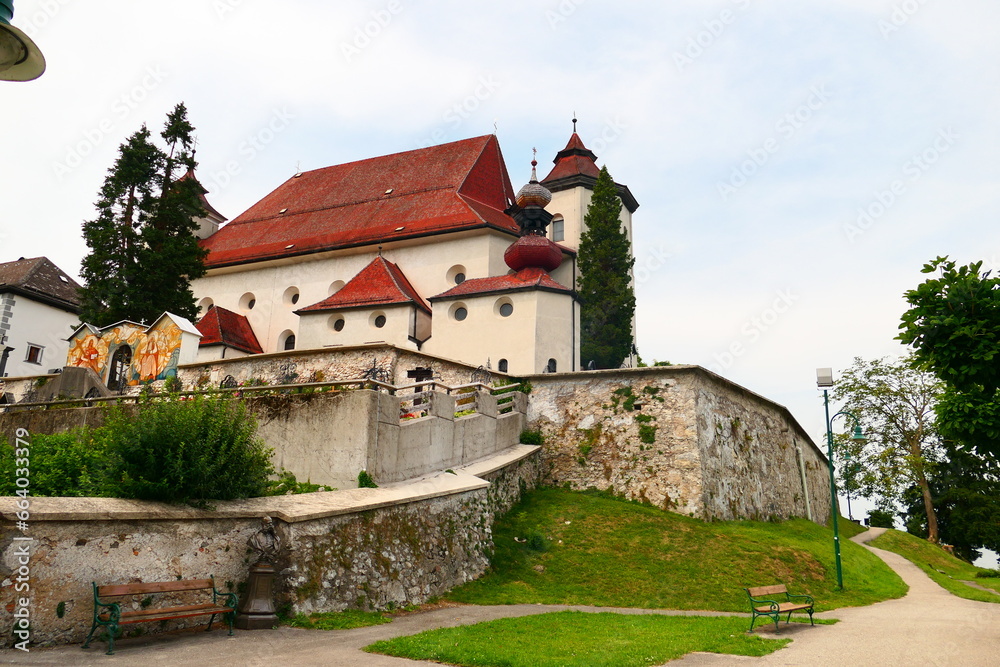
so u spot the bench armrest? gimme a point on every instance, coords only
(761, 601)
(808, 598)
(114, 609)
(229, 599)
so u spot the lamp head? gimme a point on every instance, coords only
(859, 436)
(824, 377)
(20, 59)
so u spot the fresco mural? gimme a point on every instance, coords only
(128, 354)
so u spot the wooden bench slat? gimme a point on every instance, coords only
(115, 590)
(784, 606)
(169, 612)
(761, 591)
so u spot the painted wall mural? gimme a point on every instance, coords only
(130, 354)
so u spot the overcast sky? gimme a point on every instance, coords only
(796, 162)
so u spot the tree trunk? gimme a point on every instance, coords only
(925, 490)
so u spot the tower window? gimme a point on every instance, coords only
(558, 228)
(502, 365)
(551, 366)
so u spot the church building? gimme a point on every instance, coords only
(430, 249)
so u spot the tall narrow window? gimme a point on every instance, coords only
(290, 342)
(551, 367)
(558, 228)
(502, 366)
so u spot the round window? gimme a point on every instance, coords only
(248, 301)
(380, 321)
(295, 299)
(506, 309)
(459, 278)
(461, 313)
(338, 324)
(251, 303)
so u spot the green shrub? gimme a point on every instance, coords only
(183, 451)
(287, 484)
(647, 433)
(365, 481)
(880, 519)
(532, 438)
(66, 464)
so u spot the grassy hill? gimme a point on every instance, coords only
(949, 572)
(564, 547)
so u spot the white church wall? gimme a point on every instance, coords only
(318, 330)
(554, 328)
(427, 263)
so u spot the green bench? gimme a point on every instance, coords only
(773, 601)
(109, 614)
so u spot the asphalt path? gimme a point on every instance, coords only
(928, 626)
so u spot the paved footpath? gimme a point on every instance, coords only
(927, 627)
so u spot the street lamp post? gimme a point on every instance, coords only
(824, 380)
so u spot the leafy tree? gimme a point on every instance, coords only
(953, 326)
(605, 284)
(966, 492)
(895, 404)
(143, 252)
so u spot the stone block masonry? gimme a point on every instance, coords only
(681, 438)
(360, 548)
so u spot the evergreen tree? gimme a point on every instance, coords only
(143, 251)
(605, 284)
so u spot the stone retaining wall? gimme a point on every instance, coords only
(361, 548)
(680, 438)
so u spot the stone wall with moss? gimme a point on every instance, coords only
(360, 548)
(680, 438)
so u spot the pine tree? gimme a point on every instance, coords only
(143, 252)
(605, 284)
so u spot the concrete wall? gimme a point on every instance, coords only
(328, 438)
(361, 548)
(680, 438)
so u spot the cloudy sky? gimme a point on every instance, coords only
(796, 161)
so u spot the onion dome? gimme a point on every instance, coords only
(532, 251)
(534, 193)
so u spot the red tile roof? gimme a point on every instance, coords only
(381, 283)
(574, 160)
(451, 187)
(224, 327)
(530, 278)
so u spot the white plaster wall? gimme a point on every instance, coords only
(425, 262)
(316, 329)
(540, 328)
(39, 324)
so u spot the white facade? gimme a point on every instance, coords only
(37, 325)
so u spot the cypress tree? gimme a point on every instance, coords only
(605, 285)
(143, 252)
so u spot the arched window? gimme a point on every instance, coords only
(551, 367)
(558, 228)
(290, 342)
(502, 365)
(121, 361)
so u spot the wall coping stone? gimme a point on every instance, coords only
(291, 508)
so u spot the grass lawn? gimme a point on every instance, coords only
(564, 547)
(339, 620)
(946, 570)
(575, 638)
